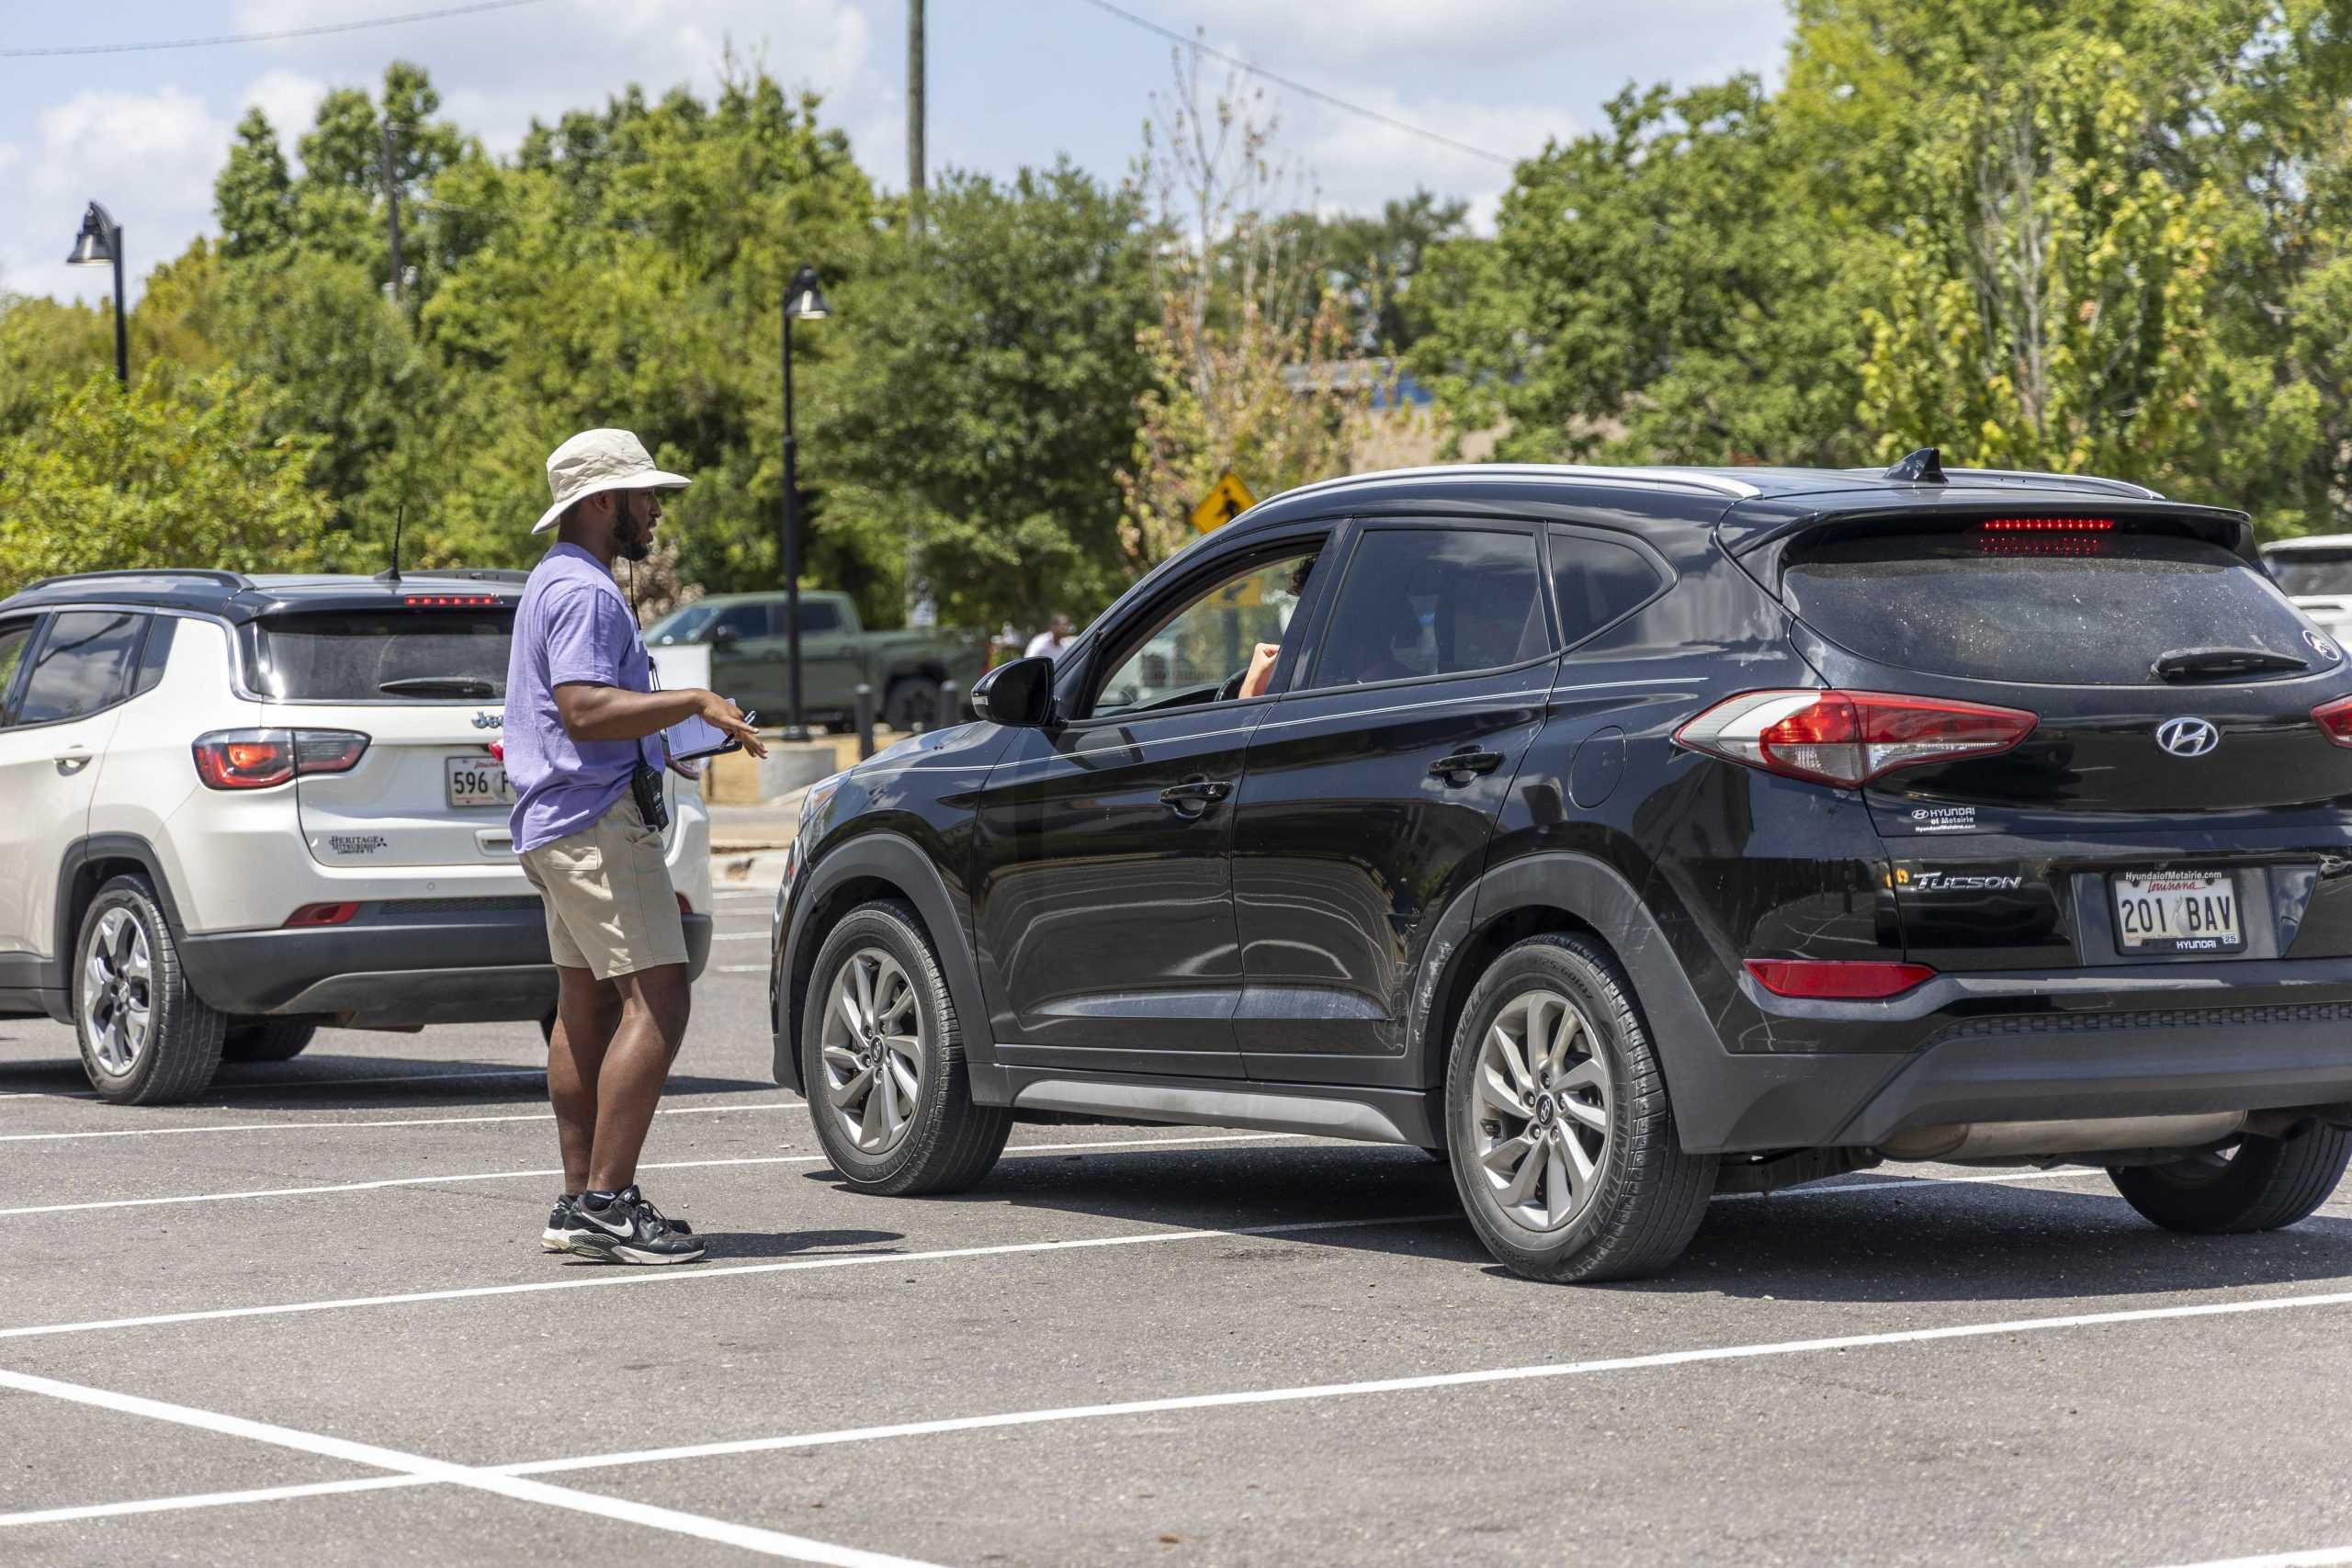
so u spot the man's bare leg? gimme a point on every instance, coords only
(587, 1011)
(655, 1004)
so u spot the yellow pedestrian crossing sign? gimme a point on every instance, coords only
(1226, 500)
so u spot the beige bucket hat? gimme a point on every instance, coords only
(597, 460)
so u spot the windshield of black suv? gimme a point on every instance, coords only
(368, 656)
(2306, 572)
(2092, 605)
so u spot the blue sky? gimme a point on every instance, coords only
(1012, 82)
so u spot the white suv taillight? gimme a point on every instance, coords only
(257, 759)
(1849, 738)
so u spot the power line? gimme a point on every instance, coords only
(405, 17)
(1319, 95)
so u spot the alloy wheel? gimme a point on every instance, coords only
(117, 992)
(872, 1048)
(1540, 1110)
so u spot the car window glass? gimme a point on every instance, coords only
(1597, 580)
(679, 625)
(1426, 601)
(12, 657)
(368, 656)
(2312, 572)
(1199, 651)
(742, 620)
(154, 655)
(820, 617)
(80, 665)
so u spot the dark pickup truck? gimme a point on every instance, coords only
(751, 657)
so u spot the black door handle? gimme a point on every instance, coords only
(1457, 768)
(1198, 795)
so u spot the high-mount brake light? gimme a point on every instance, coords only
(2335, 720)
(2048, 525)
(1836, 980)
(449, 600)
(262, 759)
(1849, 738)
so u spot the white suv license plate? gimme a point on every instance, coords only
(2177, 912)
(478, 780)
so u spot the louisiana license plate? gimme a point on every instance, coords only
(2177, 912)
(477, 781)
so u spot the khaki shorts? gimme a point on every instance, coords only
(611, 909)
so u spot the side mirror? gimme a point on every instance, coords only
(1020, 693)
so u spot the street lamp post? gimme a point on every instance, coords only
(802, 300)
(99, 243)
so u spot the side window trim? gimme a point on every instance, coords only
(34, 624)
(28, 664)
(1362, 529)
(1099, 663)
(1666, 579)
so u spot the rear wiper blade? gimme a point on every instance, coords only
(2219, 664)
(439, 686)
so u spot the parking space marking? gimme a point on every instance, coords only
(750, 1537)
(740, 936)
(738, 969)
(686, 1276)
(210, 1499)
(240, 1085)
(1014, 1151)
(1439, 1381)
(2320, 1557)
(404, 1121)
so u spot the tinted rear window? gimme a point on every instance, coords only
(348, 655)
(2313, 571)
(2088, 609)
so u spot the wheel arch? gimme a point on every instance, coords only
(88, 864)
(877, 865)
(1572, 893)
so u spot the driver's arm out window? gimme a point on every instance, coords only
(1205, 649)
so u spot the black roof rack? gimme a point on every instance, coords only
(232, 580)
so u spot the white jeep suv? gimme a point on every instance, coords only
(235, 808)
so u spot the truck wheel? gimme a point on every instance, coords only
(914, 702)
(883, 1059)
(146, 1038)
(2264, 1184)
(1562, 1144)
(266, 1038)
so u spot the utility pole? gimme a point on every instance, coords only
(392, 209)
(915, 115)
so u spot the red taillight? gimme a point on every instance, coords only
(1840, 980)
(258, 759)
(2049, 524)
(322, 915)
(449, 600)
(685, 907)
(1849, 738)
(2335, 720)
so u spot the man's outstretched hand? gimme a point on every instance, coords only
(728, 719)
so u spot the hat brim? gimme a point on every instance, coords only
(653, 478)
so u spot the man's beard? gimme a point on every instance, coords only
(630, 542)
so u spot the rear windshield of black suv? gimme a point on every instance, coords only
(382, 656)
(2038, 601)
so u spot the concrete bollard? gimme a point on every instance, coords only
(951, 701)
(865, 721)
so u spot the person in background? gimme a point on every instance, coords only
(1050, 643)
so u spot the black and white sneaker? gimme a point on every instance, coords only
(624, 1229)
(563, 1224)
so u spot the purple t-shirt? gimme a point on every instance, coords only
(571, 626)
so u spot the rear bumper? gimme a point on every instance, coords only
(395, 970)
(2035, 1048)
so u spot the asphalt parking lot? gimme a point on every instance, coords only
(308, 1321)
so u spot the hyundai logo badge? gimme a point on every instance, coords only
(498, 721)
(2186, 736)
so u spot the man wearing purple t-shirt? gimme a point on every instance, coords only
(583, 718)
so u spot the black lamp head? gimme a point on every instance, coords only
(96, 245)
(803, 300)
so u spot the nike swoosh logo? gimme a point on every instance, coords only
(608, 1229)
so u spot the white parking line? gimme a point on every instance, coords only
(1015, 1151)
(771, 1544)
(740, 936)
(2319, 1557)
(598, 1280)
(404, 1121)
(738, 969)
(240, 1085)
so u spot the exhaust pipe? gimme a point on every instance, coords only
(2035, 1140)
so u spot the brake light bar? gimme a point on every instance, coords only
(262, 758)
(2048, 525)
(1848, 739)
(2335, 720)
(1836, 980)
(450, 601)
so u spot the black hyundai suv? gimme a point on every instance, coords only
(1627, 835)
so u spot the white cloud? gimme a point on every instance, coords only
(1358, 163)
(1462, 31)
(148, 157)
(290, 101)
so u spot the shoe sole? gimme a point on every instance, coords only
(604, 1250)
(553, 1240)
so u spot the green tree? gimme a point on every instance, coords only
(253, 196)
(180, 472)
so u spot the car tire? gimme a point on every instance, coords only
(1614, 1196)
(915, 700)
(158, 1055)
(881, 1137)
(2265, 1184)
(266, 1038)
